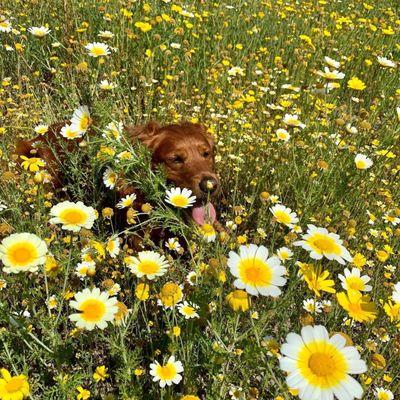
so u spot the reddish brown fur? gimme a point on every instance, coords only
(186, 150)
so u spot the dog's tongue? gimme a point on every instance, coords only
(204, 214)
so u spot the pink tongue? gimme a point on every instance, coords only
(204, 214)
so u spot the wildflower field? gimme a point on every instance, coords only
(294, 293)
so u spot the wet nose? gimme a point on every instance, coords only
(208, 184)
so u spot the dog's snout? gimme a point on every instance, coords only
(208, 184)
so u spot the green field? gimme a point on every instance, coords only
(303, 100)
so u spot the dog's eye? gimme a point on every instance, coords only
(206, 154)
(176, 160)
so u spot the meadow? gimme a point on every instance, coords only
(298, 296)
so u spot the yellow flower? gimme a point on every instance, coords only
(359, 260)
(142, 291)
(189, 397)
(176, 331)
(100, 374)
(317, 280)
(83, 393)
(382, 255)
(358, 306)
(143, 26)
(238, 300)
(392, 310)
(32, 164)
(170, 295)
(356, 84)
(13, 387)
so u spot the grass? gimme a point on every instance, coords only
(274, 43)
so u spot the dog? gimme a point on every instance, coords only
(185, 150)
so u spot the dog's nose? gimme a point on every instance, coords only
(208, 184)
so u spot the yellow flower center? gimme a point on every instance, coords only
(282, 217)
(322, 364)
(361, 164)
(73, 216)
(98, 51)
(179, 201)
(92, 310)
(187, 310)
(166, 372)
(255, 272)
(15, 384)
(208, 230)
(22, 254)
(148, 267)
(355, 283)
(324, 244)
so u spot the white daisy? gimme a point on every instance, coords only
(106, 85)
(284, 254)
(39, 31)
(321, 243)
(331, 62)
(293, 120)
(97, 49)
(96, 309)
(109, 178)
(126, 201)
(385, 62)
(312, 306)
(113, 247)
(180, 198)
(283, 134)
(255, 272)
(70, 131)
(147, 264)
(22, 252)
(5, 26)
(396, 293)
(188, 310)
(319, 366)
(168, 373)
(81, 119)
(284, 215)
(362, 161)
(73, 216)
(353, 280)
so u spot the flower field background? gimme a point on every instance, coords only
(297, 296)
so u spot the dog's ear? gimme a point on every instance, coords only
(145, 133)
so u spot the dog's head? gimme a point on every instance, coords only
(187, 153)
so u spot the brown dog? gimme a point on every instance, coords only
(185, 150)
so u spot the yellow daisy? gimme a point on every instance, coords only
(13, 387)
(238, 300)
